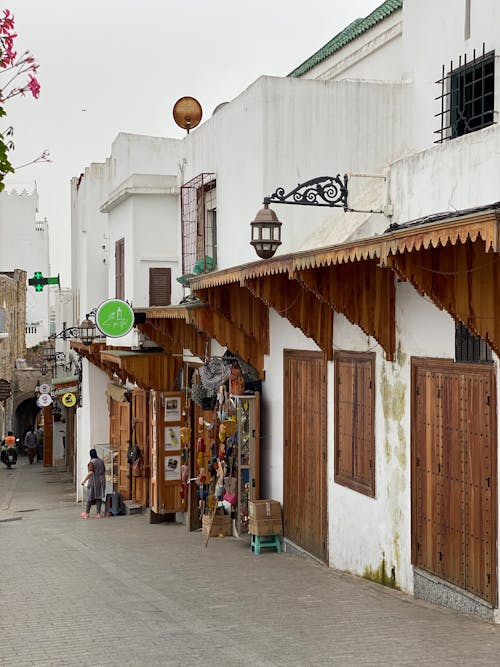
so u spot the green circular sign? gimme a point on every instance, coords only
(114, 318)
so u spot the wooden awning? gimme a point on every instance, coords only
(414, 236)
(149, 370)
(355, 278)
(176, 328)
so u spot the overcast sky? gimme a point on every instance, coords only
(109, 66)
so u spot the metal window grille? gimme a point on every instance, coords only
(198, 231)
(469, 348)
(2, 321)
(467, 96)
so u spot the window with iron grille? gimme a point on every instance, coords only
(120, 269)
(355, 421)
(470, 348)
(467, 96)
(160, 286)
(3, 325)
(199, 224)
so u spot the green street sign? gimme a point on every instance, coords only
(38, 281)
(114, 318)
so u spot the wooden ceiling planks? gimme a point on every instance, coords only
(462, 279)
(363, 292)
(239, 306)
(298, 305)
(225, 331)
(147, 370)
(174, 336)
(93, 354)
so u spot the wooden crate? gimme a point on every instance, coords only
(264, 509)
(222, 525)
(263, 527)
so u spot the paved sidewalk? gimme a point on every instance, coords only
(121, 591)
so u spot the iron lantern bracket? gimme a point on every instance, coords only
(328, 191)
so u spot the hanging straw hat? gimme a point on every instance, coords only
(214, 373)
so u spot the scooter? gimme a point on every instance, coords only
(9, 455)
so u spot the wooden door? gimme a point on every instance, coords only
(454, 475)
(140, 431)
(305, 512)
(166, 452)
(119, 437)
(48, 429)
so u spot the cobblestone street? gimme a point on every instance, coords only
(121, 591)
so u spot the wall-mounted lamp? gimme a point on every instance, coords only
(87, 331)
(321, 191)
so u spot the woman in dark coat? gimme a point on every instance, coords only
(96, 488)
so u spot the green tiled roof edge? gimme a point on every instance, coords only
(353, 30)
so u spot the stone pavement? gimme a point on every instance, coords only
(121, 591)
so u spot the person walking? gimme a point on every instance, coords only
(31, 443)
(96, 487)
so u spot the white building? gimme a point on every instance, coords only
(369, 448)
(24, 243)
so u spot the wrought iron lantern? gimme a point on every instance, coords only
(87, 331)
(321, 191)
(266, 232)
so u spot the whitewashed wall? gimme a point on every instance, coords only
(457, 174)
(156, 243)
(441, 24)
(89, 240)
(24, 244)
(376, 54)
(140, 154)
(282, 131)
(92, 419)
(383, 530)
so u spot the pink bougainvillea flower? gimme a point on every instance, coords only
(7, 22)
(34, 86)
(11, 55)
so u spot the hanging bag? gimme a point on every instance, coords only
(138, 468)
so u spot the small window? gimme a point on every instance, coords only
(3, 325)
(120, 269)
(469, 348)
(467, 96)
(160, 287)
(355, 421)
(198, 224)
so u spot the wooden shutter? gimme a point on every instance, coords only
(160, 287)
(120, 269)
(355, 421)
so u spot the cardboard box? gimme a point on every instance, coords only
(264, 509)
(263, 527)
(222, 525)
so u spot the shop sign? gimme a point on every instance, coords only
(114, 318)
(68, 400)
(44, 400)
(45, 388)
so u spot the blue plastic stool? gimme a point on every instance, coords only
(258, 542)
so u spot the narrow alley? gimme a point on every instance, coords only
(121, 591)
